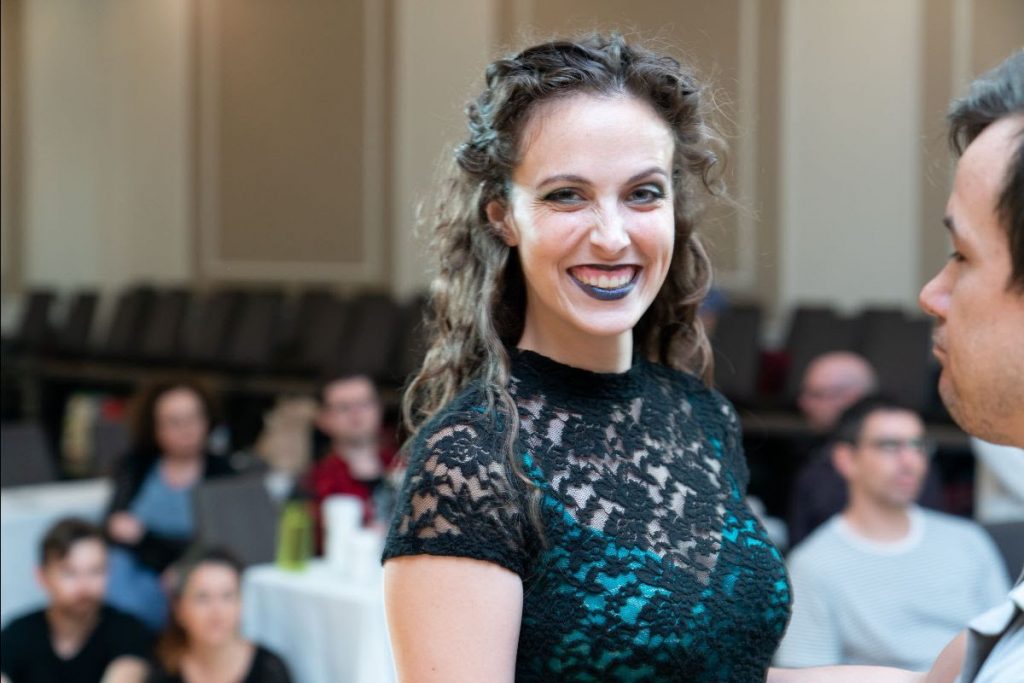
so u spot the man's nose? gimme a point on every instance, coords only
(934, 296)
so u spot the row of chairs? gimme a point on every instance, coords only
(318, 332)
(261, 330)
(28, 456)
(895, 343)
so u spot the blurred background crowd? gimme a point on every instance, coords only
(213, 294)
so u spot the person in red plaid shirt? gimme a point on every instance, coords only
(361, 454)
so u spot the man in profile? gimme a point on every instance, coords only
(977, 300)
(76, 637)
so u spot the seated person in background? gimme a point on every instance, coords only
(76, 638)
(711, 308)
(361, 453)
(886, 582)
(998, 482)
(284, 446)
(832, 383)
(150, 515)
(202, 641)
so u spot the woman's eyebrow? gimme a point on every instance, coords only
(563, 177)
(573, 178)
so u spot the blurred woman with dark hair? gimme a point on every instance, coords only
(150, 516)
(202, 641)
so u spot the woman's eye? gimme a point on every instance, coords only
(646, 194)
(957, 257)
(563, 196)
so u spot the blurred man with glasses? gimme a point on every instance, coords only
(886, 582)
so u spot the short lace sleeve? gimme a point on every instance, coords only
(457, 499)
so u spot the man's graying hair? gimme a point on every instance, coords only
(993, 96)
(478, 298)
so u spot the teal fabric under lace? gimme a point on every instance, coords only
(650, 567)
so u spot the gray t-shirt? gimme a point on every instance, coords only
(857, 601)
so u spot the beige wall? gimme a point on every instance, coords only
(291, 129)
(441, 48)
(11, 32)
(849, 163)
(105, 143)
(176, 140)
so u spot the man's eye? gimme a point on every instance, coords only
(957, 256)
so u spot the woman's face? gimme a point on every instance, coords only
(210, 607)
(181, 423)
(590, 211)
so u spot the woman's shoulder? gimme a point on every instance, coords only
(267, 667)
(692, 387)
(468, 417)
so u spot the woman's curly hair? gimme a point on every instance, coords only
(478, 297)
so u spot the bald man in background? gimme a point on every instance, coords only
(832, 383)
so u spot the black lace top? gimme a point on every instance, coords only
(651, 565)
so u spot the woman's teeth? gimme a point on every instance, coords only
(605, 281)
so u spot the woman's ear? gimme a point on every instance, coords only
(498, 216)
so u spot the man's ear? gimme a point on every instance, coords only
(843, 459)
(39, 576)
(498, 216)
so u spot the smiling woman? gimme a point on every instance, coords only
(574, 507)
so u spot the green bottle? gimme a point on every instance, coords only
(295, 536)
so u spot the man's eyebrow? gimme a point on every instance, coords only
(572, 178)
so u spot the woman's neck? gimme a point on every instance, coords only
(220, 661)
(214, 653)
(181, 470)
(570, 347)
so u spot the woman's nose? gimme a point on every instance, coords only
(609, 232)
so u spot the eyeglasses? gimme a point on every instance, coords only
(893, 447)
(351, 406)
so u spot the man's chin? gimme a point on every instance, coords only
(82, 609)
(950, 399)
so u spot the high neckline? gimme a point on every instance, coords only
(537, 370)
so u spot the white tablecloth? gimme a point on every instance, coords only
(328, 629)
(26, 513)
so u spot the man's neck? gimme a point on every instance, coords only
(881, 523)
(69, 631)
(346, 448)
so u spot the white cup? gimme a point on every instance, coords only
(343, 517)
(364, 548)
(342, 514)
